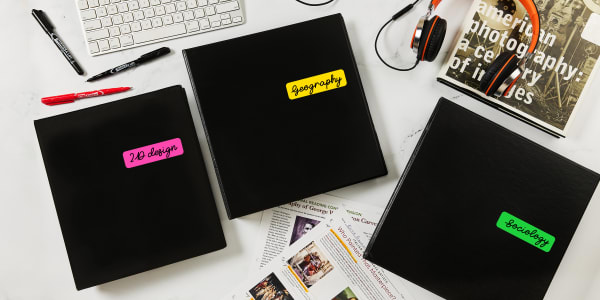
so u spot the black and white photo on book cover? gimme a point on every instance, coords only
(554, 80)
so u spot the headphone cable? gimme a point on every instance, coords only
(315, 4)
(396, 16)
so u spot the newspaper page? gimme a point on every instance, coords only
(554, 80)
(281, 226)
(325, 264)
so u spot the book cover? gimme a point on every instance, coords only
(554, 80)
(487, 213)
(286, 120)
(130, 186)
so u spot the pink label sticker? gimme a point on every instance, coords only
(152, 153)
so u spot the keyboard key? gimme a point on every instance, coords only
(158, 33)
(112, 9)
(88, 14)
(210, 10)
(93, 3)
(128, 17)
(178, 17)
(133, 5)
(215, 24)
(101, 12)
(170, 8)
(225, 16)
(96, 35)
(82, 4)
(93, 47)
(155, 2)
(192, 26)
(126, 40)
(202, 2)
(103, 45)
(204, 24)
(213, 1)
(104, 2)
(125, 28)
(199, 13)
(106, 22)
(188, 15)
(92, 25)
(165, 1)
(138, 15)
(144, 3)
(114, 43)
(213, 19)
(122, 7)
(135, 26)
(149, 12)
(114, 31)
(227, 6)
(157, 22)
(115, 1)
(167, 20)
(237, 19)
(226, 22)
(181, 6)
(146, 24)
(191, 4)
(159, 10)
(117, 20)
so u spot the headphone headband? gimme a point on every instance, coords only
(535, 22)
(529, 6)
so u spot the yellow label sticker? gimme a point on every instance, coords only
(316, 84)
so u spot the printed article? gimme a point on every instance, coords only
(324, 264)
(283, 225)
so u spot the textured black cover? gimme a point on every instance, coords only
(117, 221)
(439, 229)
(267, 149)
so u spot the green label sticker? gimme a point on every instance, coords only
(525, 231)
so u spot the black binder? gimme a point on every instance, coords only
(118, 216)
(267, 148)
(445, 227)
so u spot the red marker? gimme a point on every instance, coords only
(69, 98)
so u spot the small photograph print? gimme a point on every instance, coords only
(346, 294)
(270, 288)
(310, 264)
(301, 227)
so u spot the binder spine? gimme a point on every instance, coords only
(212, 154)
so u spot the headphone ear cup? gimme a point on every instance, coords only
(438, 33)
(497, 72)
(434, 31)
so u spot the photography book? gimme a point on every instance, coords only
(286, 120)
(554, 79)
(130, 186)
(488, 214)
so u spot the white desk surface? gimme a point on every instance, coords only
(33, 260)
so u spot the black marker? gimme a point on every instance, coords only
(144, 58)
(49, 29)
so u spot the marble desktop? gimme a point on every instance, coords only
(33, 260)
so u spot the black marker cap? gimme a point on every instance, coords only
(40, 16)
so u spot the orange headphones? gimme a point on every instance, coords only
(429, 34)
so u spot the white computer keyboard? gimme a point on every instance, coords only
(114, 25)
